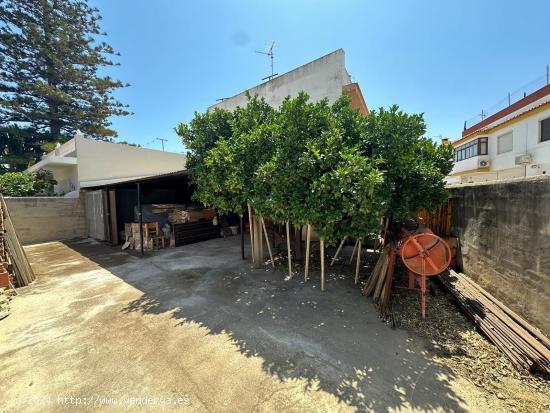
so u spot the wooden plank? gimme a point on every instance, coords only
(15, 252)
(113, 222)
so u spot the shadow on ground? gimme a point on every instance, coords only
(333, 338)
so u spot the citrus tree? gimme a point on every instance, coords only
(200, 137)
(413, 166)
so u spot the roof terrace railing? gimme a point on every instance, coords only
(510, 99)
(64, 150)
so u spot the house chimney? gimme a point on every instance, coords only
(444, 141)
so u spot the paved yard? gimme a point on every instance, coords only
(195, 323)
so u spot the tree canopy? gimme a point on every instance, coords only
(27, 183)
(50, 54)
(315, 163)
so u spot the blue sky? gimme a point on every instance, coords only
(447, 59)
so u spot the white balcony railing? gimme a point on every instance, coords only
(64, 150)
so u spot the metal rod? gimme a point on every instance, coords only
(140, 218)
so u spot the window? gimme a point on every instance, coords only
(545, 130)
(505, 143)
(473, 148)
(483, 146)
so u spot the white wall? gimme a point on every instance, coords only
(526, 137)
(66, 177)
(322, 78)
(101, 162)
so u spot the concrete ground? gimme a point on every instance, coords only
(101, 327)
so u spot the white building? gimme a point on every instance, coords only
(512, 143)
(81, 163)
(325, 77)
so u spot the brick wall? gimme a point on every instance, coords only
(504, 228)
(42, 219)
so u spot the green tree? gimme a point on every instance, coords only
(283, 182)
(413, 166)
(26, 183)
(50, 53)
(344, 198)
(200, 137)
(21, 147)
(17, 184)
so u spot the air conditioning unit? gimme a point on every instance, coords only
(483, 163)
(524, 159)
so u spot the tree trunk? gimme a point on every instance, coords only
(298, 242)
(251, 230)
(258, 243)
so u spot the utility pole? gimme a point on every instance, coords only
(162, 142)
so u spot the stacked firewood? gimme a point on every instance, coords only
(178, 216)
(380, 281)
(525, 346)
(167, 208)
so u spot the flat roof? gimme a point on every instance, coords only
(145, 179)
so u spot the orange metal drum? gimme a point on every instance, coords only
(425, 254)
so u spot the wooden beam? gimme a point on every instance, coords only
(358, 262)
(267, 242)
(338, 250)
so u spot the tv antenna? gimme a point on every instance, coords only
(271, 55)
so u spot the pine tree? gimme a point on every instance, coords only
(50, 53)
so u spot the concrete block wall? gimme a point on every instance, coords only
(504, 228)
(42, 219)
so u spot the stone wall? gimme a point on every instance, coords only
(504, 228)
(42, 219)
